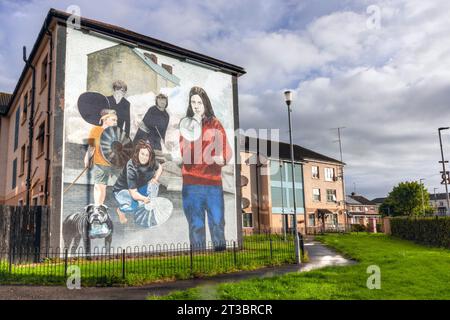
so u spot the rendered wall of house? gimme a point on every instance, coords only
(311, 183)
(220, 88)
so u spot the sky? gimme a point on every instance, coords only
(379, 68)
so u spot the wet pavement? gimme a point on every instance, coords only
(319, 257)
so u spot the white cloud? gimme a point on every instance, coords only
(390, 87)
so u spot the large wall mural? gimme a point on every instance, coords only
(149, 149)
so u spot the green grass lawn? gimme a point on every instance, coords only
(408, 271)
(257, 252)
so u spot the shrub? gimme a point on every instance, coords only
(358, 228)
(433, 231)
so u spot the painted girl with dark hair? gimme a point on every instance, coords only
(137, 183)
(203, 159)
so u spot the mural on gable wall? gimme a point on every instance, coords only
(149, 149)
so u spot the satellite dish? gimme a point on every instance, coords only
(116, 146)
(190, 128)
(245, 203)
(90, 105)
(244, 181)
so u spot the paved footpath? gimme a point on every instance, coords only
(319, 255)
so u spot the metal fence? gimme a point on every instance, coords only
(144, 264)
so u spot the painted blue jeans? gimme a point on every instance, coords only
(128, 205)
(199, 201)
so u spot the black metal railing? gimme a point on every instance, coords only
(144, 264)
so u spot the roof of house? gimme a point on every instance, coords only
(4, 101)
(439, 196)
(132, 37)
(362, 200)
(350, 200)
(282, 150)
(379, 200)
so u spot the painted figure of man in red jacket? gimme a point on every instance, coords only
(203, 160)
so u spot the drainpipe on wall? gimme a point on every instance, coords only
(30, 124)
(49, 92)
(258, 204)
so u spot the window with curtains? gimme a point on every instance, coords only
(247, 220)
(16, 129)
(281, 187)
(25, 108)
(331, 195)
(311, 220)
(315, 172)
(316, 194)
(329, 174)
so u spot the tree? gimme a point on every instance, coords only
(406, 199)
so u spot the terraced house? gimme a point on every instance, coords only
(69, 129)
(363, 211)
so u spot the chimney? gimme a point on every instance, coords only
(167, 67)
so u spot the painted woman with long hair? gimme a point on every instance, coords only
(135, 185)
(203, 160)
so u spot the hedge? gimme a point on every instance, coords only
(433, 231)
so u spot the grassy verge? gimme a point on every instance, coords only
(257, 252)
(408, 271)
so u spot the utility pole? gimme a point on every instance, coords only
(342, 174)
(421, 191)
(444, 172)
(435, 200)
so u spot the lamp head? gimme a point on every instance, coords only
(288, 97)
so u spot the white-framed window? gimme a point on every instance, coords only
(331, 195)
(329, 174)
(316, 194)
(247, 220)
(311, 219)
(315, 172)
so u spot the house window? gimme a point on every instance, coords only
(316, 194)
(14, 174)
(41, 138)
(311, 220)
(20, 203)
(315, 172)
(329, 174)
(16, 129)
(22, 159)
(35, 201)
(25, 107)
(44, 75)
(331, 195)
(247, 220)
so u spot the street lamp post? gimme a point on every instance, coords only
(444, 173)
(435, 201)
(421, 191)
(288, 99)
